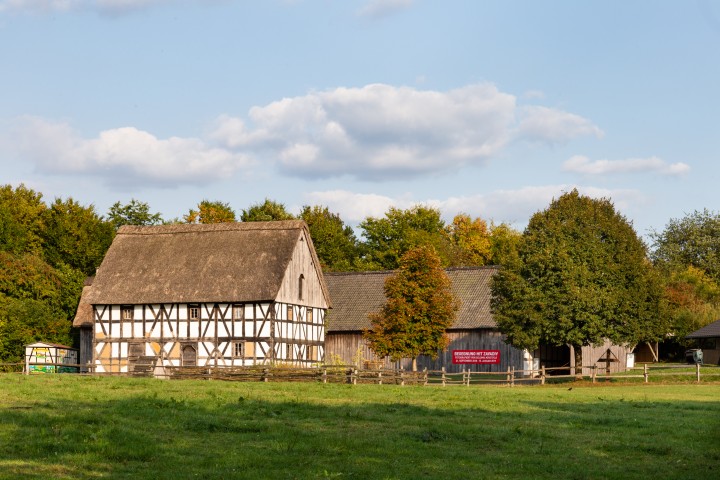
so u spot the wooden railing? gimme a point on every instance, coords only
(351, 374)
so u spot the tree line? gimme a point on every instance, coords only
(562, 258)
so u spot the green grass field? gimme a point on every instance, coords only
(67, 426)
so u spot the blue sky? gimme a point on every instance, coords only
(491, 108)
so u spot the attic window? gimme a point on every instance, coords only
(309, 315)
(290, 313)
(193, 312)
(301, 285)
(126, 312)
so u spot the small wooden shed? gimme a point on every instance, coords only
(43, 357)
(708, 339)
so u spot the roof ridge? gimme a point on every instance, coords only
(359, 272)
(210, 227)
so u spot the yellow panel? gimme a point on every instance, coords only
(105, 353)
(175, 351)
(156, 347)
(249, 349)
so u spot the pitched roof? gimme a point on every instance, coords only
(223, 262)
(357, 294)
(708, 331)
(84, 313)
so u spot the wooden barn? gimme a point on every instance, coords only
(229, 294)
(357, 294)
(708, 340)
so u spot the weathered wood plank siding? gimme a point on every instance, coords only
(86, 348)
(593, 354)
(302, 266)
(346, 347)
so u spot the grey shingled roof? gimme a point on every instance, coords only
(224, 262)
(708, 331)
(356, 294)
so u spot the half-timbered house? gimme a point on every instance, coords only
(356, 294)
(229, 294)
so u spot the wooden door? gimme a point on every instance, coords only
(189, 356)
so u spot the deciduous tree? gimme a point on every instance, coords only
(335, 242)
(471, 237)
(211, 212)
(133, 213)
(267, 211)
(21, 219)
(693, 240)
(419, 308)
(75, 235)
(504, 241)
(387, 239)
(581, 275)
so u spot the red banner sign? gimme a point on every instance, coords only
(475, 357)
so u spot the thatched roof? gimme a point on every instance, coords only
(357, 294)
(224, 262)
(84, 313)
(708, 331)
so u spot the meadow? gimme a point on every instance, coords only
(67, 426)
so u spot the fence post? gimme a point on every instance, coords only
(697, 372)
(379, 377)
(324, 375)
(507, 377)
(265, 375)
(402, 376)
(594, 373)
(512, 377)
(645, 373)
(542, 375)
(353, 375)
(425, 375)
(443, 376)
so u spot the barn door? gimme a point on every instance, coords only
(189, 356)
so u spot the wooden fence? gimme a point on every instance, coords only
(350, 374)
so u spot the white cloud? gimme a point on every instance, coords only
(380, 132)
(377, 132)
(123, 155)
(514, 207)
(544, 124)
(581, 164)
(383, 8)
(355, 207)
